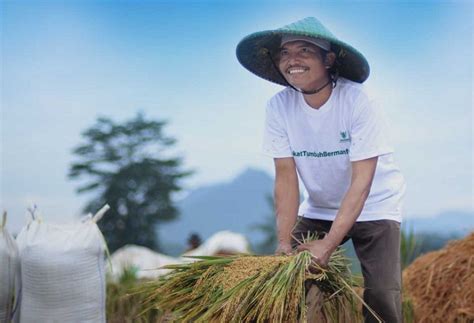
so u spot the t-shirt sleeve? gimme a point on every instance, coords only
(275, 138)
(369, 137)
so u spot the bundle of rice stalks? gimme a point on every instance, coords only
(441, 283)
(254, 289)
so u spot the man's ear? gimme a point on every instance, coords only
(329, 59)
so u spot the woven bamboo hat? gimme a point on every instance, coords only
(254, 51)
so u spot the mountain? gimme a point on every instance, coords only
(236, 205)
(445, 223)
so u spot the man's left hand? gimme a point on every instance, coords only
(321, 250)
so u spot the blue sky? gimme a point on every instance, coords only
(66, 62)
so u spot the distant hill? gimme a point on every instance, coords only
(444, 223)
(236, 205)
(241, 203)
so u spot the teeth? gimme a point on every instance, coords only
(294, 71)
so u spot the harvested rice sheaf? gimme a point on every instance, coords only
(253, 289)
(441, 283)
(244, 267)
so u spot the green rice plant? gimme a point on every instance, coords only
(409, 247)
(129, 276)
(123, 304)
(408, 310)
(248, 288)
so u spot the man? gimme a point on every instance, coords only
(324, 129)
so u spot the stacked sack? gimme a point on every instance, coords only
(63, 271)
(9, 273)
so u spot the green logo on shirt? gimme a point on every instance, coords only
(344, 136)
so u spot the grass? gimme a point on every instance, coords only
(123, 304)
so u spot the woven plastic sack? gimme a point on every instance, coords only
(63, 272)
(9, 272)
(226, 242)
(145, 261)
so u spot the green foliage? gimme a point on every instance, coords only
(127, 166)
(124, 305)
(415, 244)
(408, 310)
(128, 276)
(409, 247)
(430, 241)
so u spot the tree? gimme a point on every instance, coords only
(126, 166)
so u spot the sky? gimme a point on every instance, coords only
(64, 63)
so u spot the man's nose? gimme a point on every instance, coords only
(293, 57)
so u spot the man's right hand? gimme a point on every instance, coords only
(284, 248)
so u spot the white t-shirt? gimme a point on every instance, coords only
(323, 142)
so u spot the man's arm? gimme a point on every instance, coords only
(362, 175)
(286, 201)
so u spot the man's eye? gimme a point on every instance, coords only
(283, 53)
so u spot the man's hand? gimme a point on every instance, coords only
(284, 248)
(321, 250)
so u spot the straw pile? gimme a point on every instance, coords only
(441, 283)
(253, 289)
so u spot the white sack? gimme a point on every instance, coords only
(9, 272)
(222, 242)
(144, 260)
(63, 272)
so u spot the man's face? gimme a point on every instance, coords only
(302, 65)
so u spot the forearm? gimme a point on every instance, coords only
(351, 207)
(286, 204)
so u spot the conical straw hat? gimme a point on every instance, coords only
(253, 51)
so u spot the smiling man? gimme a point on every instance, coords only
(325, 130)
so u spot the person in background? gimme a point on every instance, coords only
(194, 241)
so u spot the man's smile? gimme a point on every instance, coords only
(296, 70)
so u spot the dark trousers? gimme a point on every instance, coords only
(377, 245)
